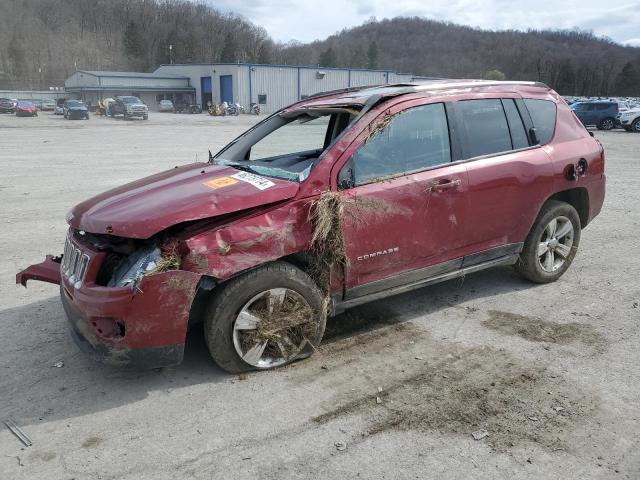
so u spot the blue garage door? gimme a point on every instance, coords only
(226, 88)
(205, 89)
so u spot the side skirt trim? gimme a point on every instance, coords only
(509, 259)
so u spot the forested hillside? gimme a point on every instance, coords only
(572, 62)
(44, 41)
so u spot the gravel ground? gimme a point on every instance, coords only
(550, 372)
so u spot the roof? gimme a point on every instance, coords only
(315, 67)
(360, 95)
(97, 73)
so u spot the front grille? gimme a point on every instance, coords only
(74, 263)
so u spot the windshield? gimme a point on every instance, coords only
(75, 103)
(130, 100)
(288, 144)
(25, 104)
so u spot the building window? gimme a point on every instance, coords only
(262, 99)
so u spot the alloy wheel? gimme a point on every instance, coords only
(275, 326)
(555, 244)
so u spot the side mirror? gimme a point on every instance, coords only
(533, 136)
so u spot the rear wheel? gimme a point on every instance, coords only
(265, 318)
(635, 126)
(606, 124)
(551, 244)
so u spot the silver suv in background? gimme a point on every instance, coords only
(630, 119)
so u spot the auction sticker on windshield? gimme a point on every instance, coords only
(220, 182)
(257, 181)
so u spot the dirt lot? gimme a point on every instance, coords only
(551, 372)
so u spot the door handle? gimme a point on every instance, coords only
(441, 185)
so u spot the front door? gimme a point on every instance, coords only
(404, 200)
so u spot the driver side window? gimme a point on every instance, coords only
(412, 140)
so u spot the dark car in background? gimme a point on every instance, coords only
(602, 114)
(7, 105)
(26, 109)
(129, 107)
(75, 109)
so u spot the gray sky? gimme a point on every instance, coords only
(308, 20)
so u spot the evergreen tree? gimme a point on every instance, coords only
(328, 58)
(628, 81)
(230, 50)
(133, 41)
(372, 55)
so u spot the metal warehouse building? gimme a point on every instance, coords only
(273, 86)
(270, 86)
(93, 86)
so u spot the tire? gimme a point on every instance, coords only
(635, 126)
(606, 124)
(535, 266)
(86, 117)
(146, 117)
(225, 342)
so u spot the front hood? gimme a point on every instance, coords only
(193, 192)
(131, 105)
(78, 109)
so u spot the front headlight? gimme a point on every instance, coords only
(134, 267)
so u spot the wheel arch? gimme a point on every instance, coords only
(578, 198)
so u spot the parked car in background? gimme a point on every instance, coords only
(165, 106)
(48, 105)
(26, 109)
(7, 105)
(75, 109)
(329, 203)
(129, 107)
(59, 108)
(602, 114)
(630, 119)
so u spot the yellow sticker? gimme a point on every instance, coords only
(220, 182)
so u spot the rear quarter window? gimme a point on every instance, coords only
(543, 115)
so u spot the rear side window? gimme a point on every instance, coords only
(486, 127)
(543, 115)
(604, 106)
(516, 127)
(415, 139)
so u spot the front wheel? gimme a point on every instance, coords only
(265, 318)
(551, 244)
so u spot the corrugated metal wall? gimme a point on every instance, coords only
(279, 84)
(133, 82)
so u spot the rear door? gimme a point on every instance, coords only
(508, 177)
(404, 199)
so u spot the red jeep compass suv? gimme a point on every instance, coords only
(342, 198)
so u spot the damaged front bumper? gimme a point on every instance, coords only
(144, 326)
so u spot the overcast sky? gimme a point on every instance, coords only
(308, 20)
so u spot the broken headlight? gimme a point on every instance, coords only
(131, 270)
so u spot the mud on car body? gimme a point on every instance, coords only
(337, 200)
